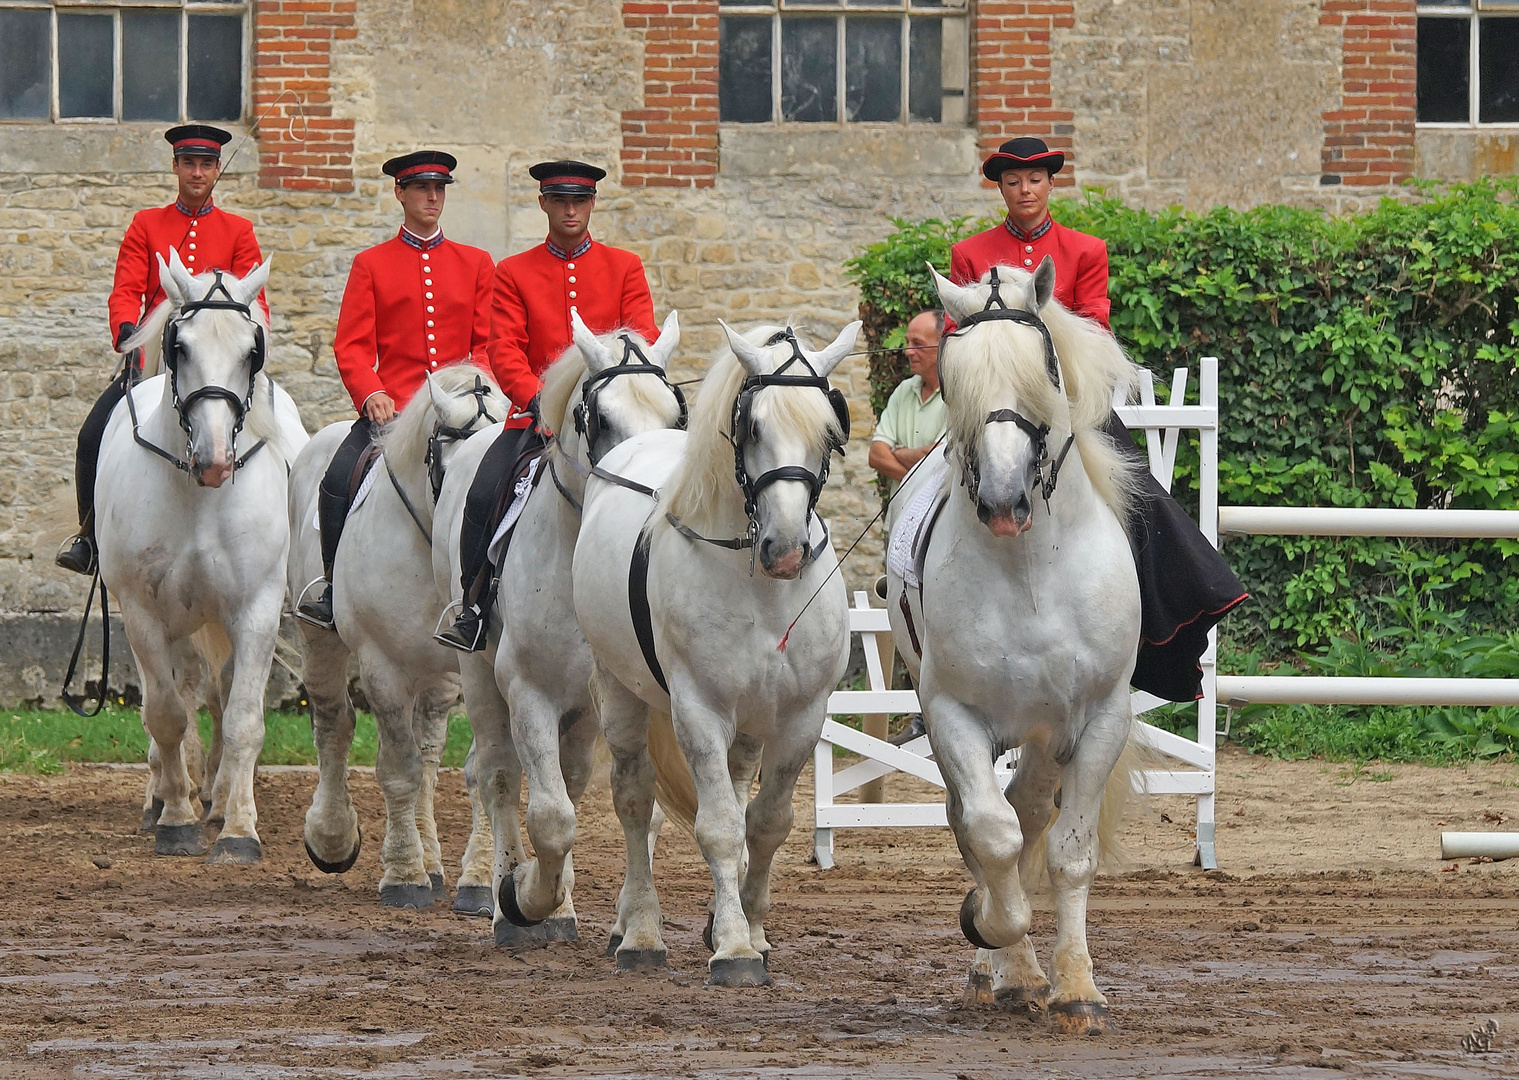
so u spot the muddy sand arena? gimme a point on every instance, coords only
(1332, 943)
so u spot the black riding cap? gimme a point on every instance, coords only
(422, 165)
(566, 177)
(197, 140)
(1024, 153)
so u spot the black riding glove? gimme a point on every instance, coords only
(126, 330)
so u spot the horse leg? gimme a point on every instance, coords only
(577, 754)
(211, 692)
(636, 940)
(1076, 1005)
(152, 803)
(474, 892)
(996, 913)
(165, 718)
(252, 642)
(398, 768)
(537, 887)
(743, 765)
(769, 817)
(430, 723)
(332, 833)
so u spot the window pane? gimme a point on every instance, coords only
(215, 89)
(872, 69)
(1444, 70)
(150, 65)
(85, 47)
(925, 81)
(1498, 71)
(809, 69)
(744, 70)
(24, 65)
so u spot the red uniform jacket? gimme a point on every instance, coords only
(211, 239)
(1081, 262)
(534, 295)
(411, 306)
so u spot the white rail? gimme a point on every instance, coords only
(1349, 521)
(1355, 690)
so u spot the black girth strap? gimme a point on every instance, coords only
(638, 607)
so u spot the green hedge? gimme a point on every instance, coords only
(1367, 360)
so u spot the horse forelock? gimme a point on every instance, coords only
(646, 395)
(405, 439)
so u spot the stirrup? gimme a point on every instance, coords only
(316, 612)
(461, 635)
(78, 554)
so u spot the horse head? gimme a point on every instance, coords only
(462, 399)
(1001, 382)
(785, 422)
(624, 390)
(214, 347)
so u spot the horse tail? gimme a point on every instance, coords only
(149, 338)
(673, 784)
(215, 648)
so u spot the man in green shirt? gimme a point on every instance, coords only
(914, 415)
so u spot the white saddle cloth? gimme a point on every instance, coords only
(901, 548)
(513, 512)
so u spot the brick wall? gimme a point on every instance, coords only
(1369, 135)
(672, 140)
(1010, 65)
(302, 146)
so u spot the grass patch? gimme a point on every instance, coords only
(40, 741)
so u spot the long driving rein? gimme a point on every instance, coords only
(996, 310)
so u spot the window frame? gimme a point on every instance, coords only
(1473, 11)
(903, 10)
(241, 9)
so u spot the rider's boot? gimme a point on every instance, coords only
(318, 611)
(467, 634)
(78, 554)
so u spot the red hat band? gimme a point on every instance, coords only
(576, 181)
(429, 167)
(198, 144)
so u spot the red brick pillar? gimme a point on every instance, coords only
(672, 140)
(1369, 136)
(302, 146)
(1011, 70)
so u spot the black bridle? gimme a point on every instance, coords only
(588, 414)
(997, 310)
(241, 404)
(443, 433)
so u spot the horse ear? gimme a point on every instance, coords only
(755, 361)
(254, 283)
(436, 393)
(175, 279)
(669, 340)
(1044, 282)
(597, 357)
(955, 299)
(829, 358)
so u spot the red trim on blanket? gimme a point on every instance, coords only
(1230, 606)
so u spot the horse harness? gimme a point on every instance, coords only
(182, 406)
(997, 310)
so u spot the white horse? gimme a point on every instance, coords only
(748, 664)
(1028, 620)
(189, 517)
(529, 699)
(384, 604)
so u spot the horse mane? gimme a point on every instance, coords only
(405, 439)
(704, 474)
(559, 384)
(1008, 358)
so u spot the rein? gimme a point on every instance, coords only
(103, 690)
(441, 433)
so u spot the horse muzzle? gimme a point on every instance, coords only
(1007, 520)
(212, 471)
(783, 559)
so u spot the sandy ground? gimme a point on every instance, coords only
(1332, 943)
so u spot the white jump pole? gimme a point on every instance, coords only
(1351, 690)
(1474, 845)
(1371, 521)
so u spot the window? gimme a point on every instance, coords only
(1468, 62)
(164, 60)
(858, 61)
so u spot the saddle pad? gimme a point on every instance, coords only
(520, 493)
(901, 549)
(365, 485)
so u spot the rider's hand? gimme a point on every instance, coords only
(125, 331)
(380, 408)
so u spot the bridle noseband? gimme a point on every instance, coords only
(997, 310)
(588, 414)
(442, 433)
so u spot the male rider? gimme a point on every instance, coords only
(1185, 586)
(413, 304)
(207, 238)
(535, 292)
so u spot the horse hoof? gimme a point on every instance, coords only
(235, 851)
(613, 944)
(179, 840)
(1080, 1018)
(561, 930)
(1022, 999)
(511, 936)
(968, 922)
(439, 889)
(474, 900)
(150, 816)
(706, 933)
(342, 865)
(406, 895)
(738, 971)
(506, 900)
(640, 959)
(978, 990)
